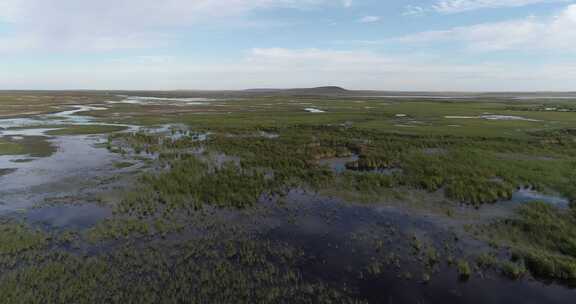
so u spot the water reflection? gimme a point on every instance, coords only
(68, 216)
(527, 195)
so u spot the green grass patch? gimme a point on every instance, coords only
(123, 165)
(10, 148)
(199, 271)
(34, 146)
(16, 238)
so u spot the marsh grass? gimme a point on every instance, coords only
(541, 237)
(144, 254)
(221, 269)
(469, 171)
(464, 270)
(16, 238)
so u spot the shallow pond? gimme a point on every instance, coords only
(76, 156)
(58, 118)
(338, 164)
(528, 195)
(77, 162)
(66, 216)
(493, 117)
(145, 100)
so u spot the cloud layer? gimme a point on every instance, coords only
(282, 67)
(113, 24)
(556, 34)
(460, 6)
(143, 44)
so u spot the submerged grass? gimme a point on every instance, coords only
(16, 238)
(219, 269)
(468, 170)
(541, 237)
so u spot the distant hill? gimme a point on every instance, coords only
(262, 90)
(326, 90)
(319, 90)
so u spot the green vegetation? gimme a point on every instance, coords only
(486, 261)
(224, 271)
(34, 146)
(473, 171)
(223, 268)
(513, 270)
(545, 108)
(118, 229)
(16, 238)
(9, 148)
(123, 165)
(190, 184)
(464, 270)
(189, 226)
(541, 237)
(19, 104)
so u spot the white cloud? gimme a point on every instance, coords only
(414, 10)
(110, 24)
(370, 19)
(460, 6)
(347, 3)
(146, 60)
(557, 33)
(143, 11)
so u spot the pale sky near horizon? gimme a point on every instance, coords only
(431, 45)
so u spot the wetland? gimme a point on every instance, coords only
(284, 197)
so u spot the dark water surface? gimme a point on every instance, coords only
(338, 237)
(77, 217)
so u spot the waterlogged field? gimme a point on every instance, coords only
(224, 197)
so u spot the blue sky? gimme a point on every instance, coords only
(438, 45)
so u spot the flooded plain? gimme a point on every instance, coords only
(76, 162)
(378, 252)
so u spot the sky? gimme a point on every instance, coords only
(408, 45)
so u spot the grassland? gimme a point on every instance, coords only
(22, 104)
(540, 238)
(422, 118)
(35, 146)
(9, 148)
